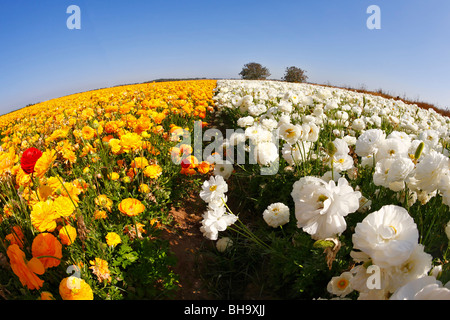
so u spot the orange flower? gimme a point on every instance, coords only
(104, 202)
(45, 295)
(131, 207)
(16, 237)
(88, 133)
(204, 167)
(153, 171)
(73, 288)
(100, 269)
(139, 162)
(46, 244)
(67, 234)
(130, 142)
(100, 214)
(25, 270)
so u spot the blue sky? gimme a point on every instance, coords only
(134, 41)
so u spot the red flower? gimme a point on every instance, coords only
(185, 163)
(29, 158)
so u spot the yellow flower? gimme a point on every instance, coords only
(131, 142)
(144, 188)
(44, 163)
(131, 207)
(139, 162)
(113, 239)
(73, 288)
(100, 268)
(115, 145)
(153, 171)
(104, 202)
(114, 176)
(63, 206)
(43, 216)
(7, 161)
(67, 234)
(100, 214)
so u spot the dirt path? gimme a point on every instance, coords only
(185, 242)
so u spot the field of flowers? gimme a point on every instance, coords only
(341, 195)
(87, 181)
(310, 192)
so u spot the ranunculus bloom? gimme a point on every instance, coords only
(44, 163)
(73, 288)
(26, 270)
(46, 244)
(320, 206)
(29, 158)
(153, 171)
(67, 234)
(131, 207)
(113, 239)
(100, 268)
(388, 236)
(424, 288)
(43, 216)
(277, 214)
(63, 206)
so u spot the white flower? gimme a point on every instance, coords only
(290, 132)
(392, 172)
(215, 220)
(223, 169)
(257, 109)
(265, 153)
(429, 137)
(358, 124)
(258, 133)
(285, 106)
(369, 141)
(223, 244)
(297, 153)
(340, 286)
(341, 160)
(269, 124)
(311, 132)
(424, 288)
(388, 236)
(320, 207)
(430, 169)
(417, 265)
(245, 121)
(391, 148)
(276, 214)
(213, 188)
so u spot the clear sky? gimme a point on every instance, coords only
(132, 41)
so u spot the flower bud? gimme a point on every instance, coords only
(419, 150)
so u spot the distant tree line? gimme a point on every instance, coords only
(255, 71)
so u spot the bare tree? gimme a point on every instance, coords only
(294, 74)
(254, 71)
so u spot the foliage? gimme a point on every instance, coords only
(295, 74)
(254, 71)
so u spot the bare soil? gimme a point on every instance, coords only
(186, 239)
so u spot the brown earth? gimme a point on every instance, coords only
(185, 241)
